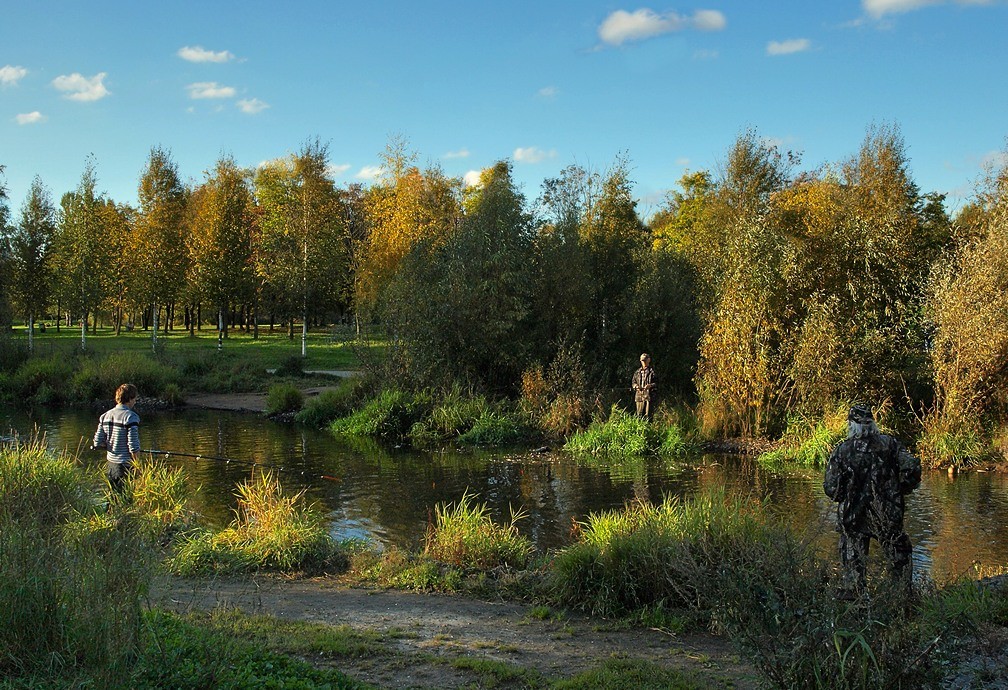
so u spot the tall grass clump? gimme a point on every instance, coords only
(283, 397)
(97, 378)
(389, 416)
(942, 445)
(626, 435)
(320, 411)
(809, 442)
(159, 496)
(497, 428)
(41, 381)
(71, 606)
(272, 530)
(464, 535)
(666, 555)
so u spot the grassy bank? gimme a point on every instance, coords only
(60, 373)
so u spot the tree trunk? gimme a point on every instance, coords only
(31, 332)
(59, 315)
(155, 316)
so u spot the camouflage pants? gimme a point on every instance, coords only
(854, 557)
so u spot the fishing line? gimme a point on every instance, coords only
(227, 461)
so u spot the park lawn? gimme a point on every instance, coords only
(328, 349)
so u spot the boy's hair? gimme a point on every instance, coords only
(126, 392)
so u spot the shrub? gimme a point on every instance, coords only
(13, 353)
(943, 445)
(283, 397)
(449, 419)
(271, 530)
(292, 365)
(464, 535)
(41, 375)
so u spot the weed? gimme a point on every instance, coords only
(464, 535)
(283, 397)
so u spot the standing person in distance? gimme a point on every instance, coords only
(868, 475)
(643, 385)
(119, 434)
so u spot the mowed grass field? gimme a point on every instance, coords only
(329, 349)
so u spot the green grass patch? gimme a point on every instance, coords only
(619, 674)
(272, 530)
(961, 448)
(464, 535)
(389, 416)
(319, 412)
(624, 435)
(809, 442)
(494, 674)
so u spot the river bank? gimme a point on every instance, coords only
(450, 641)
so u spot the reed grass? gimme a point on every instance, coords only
(463, 534)
(71, 606)
(272, 530)
(809, 442)
(626, 435)
(389, 416)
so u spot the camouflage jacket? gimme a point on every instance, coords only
(644, 384)
(868, 478)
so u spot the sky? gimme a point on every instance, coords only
(465, 84)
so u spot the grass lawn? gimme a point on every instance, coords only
(328, 349)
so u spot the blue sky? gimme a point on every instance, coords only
(545, 84)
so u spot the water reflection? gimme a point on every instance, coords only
(385, 495)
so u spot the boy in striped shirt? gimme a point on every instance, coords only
(119, 434)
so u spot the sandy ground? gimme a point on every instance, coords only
(442, 626)
(242, 402)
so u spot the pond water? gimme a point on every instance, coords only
(387, 495)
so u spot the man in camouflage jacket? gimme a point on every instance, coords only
(868, 475)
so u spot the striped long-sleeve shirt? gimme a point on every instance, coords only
(119, 434)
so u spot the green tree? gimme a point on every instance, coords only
(5, 258)
(31, 243)
(81, 249)
(303, 247)
(220, 239)
(459, 305)
(159, 237)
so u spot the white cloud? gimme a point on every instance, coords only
(622, 26)
(682, 162)
(994, 160)
(548, 91)
(793, 45)
(880, 8)
(11, 74)
(337, 169)
(705, 55)
(461, 153)
(201, 54)
(472, 178)
(252, 106)
(77, 87)
(210, 89)
(370, 172)
(709, 20)
(532, 154)
(30, 118)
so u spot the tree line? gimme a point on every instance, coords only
(761, 289)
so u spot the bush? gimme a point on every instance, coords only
(292, 365)
(271, 530)
(464, 535)
(13, 353)
(42, 381)
(283, 397)
(959, 447)
(449, 419)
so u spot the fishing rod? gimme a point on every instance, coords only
(225, 460)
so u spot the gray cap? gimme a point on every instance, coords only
(645, 356)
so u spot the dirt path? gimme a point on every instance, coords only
(441, 628)
(240, 402)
